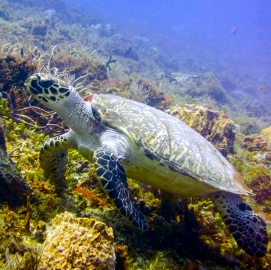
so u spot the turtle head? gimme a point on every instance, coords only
(47, 89)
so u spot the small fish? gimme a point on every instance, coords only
(263, 88)
(192, 100)
(233, 30)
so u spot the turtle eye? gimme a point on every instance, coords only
(46, 84)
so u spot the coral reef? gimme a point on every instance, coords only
(166, 231)
(255, 166)
(181, 236)
(266, 136)
(81, 65)
(248, 125)
(40, 29)
(14, 70)
(259, 147)
(212, 125)
(143, 91)
(19, 248)
(138, 89)
(254, 143)
(78, 243)
(13, 187)
(199, 85)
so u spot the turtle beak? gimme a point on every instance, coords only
(32, 86)
(27, 84)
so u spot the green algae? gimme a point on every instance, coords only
(4, 109)
(19, 249)
(248, 125)
(244, 162)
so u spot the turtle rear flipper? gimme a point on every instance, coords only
(247, 228)
(113, 179)
(53, 159)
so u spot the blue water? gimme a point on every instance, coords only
(210, 21)
(233, 35)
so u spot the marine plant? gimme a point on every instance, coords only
(80, 64)
(91, 196)
(19, 249)
(30, 259)
(248, 125)
(110, 61)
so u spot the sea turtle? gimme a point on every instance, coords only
(127, 138)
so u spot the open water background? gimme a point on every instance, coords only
(235, 35)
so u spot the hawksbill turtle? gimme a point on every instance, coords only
(126, 138)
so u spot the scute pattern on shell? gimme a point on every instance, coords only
(170, 141)
(216, 127)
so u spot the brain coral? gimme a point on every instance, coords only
(78, 243)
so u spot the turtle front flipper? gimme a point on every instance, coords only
(53, 159)
(247, 228)
(113, 179)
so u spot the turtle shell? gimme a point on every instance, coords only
(181, 159)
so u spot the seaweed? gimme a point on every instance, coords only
(110, 61)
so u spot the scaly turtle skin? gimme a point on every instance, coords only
(126, 138)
